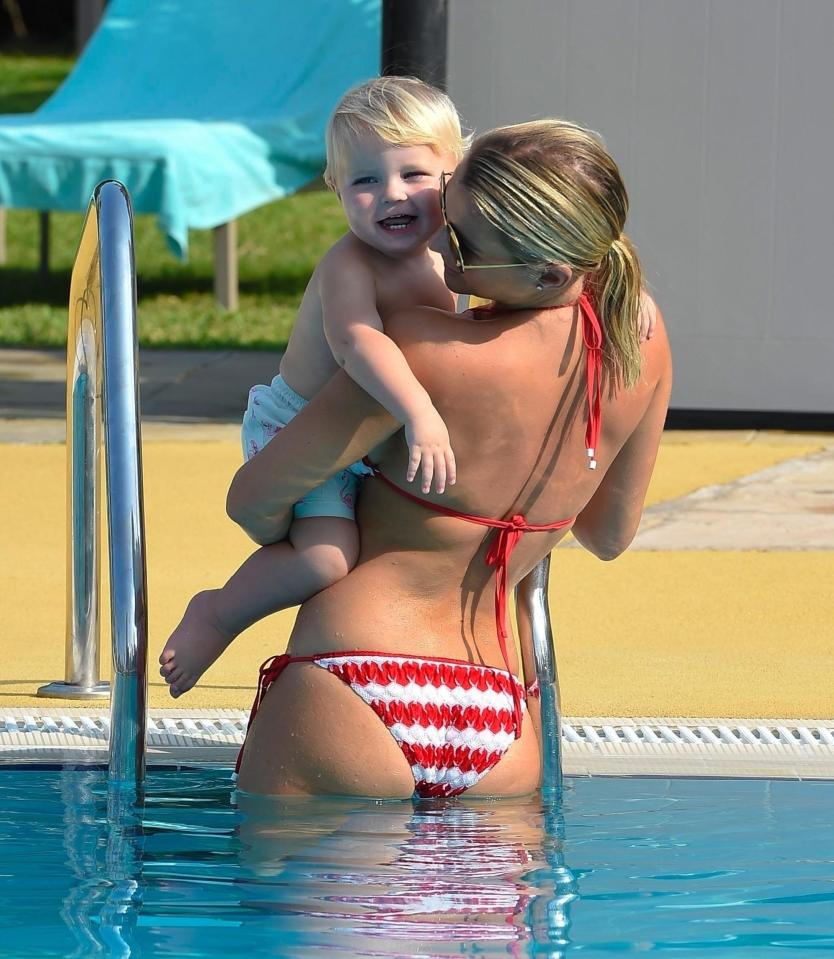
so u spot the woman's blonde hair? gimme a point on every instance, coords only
(556, 194)
(402, 111)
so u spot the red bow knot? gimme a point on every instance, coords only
(498, 555)
(506, 541)
(270, 670)
(268, 673)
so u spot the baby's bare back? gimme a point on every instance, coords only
(396, 284)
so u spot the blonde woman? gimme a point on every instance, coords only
(401, 678)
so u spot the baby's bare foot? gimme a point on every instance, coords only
(194, 645)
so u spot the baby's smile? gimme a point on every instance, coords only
(399, 222)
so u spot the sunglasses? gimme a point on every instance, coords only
(454, 243)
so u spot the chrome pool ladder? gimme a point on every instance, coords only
(103, 394)
(531, 597)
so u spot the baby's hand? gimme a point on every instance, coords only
(429, 451)
(646, 322)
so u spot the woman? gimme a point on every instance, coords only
(547, 382)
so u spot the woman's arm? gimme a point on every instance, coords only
(339, 426)
(609, 522)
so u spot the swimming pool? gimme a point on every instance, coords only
(680, 866)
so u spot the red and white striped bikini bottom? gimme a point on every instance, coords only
(452, 719)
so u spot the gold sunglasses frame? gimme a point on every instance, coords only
(454, 242)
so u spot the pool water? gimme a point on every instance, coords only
(685, 867)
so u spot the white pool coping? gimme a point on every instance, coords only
(592, 746)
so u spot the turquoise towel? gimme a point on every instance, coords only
(204, 109)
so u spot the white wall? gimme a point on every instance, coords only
(720, 114)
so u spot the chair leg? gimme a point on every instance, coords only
(88, 14)
(225, 265)
(43, 218)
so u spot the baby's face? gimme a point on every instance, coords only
(390, 194)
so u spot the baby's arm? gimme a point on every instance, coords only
(355, 334)
(646, 319)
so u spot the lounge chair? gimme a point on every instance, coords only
(203, 110)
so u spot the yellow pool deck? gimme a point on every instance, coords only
(681, 630)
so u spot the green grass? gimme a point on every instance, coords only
(26, 80)
(278, 247)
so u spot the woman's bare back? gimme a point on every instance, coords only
(513, 393)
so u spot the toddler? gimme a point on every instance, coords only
(388, 142)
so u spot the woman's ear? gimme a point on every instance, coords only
(555, 277)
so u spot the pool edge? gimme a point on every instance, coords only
(592, 746)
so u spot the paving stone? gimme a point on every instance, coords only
(179, 385)
(789, 506)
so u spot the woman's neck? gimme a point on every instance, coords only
(545, 300)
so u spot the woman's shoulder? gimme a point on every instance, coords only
(626, 407)
(423, 324)
(448, 350)
(657, 357)
(437, 325)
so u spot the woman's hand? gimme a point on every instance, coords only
(430, 451)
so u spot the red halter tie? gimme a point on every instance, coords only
(593, 337)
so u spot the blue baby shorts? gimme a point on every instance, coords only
(269, 410)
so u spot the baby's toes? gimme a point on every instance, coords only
(181, 685)
(177, 678)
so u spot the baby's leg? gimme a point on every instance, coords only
(320, 551)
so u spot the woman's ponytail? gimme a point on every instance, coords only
(616, 289)
(556, 194)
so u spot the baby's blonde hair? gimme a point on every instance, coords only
(556, 194)
(402, 111)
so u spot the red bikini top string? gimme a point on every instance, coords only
(498, 556)
(593, 337)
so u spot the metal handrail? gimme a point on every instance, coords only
(531, 594)
(102, 385)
